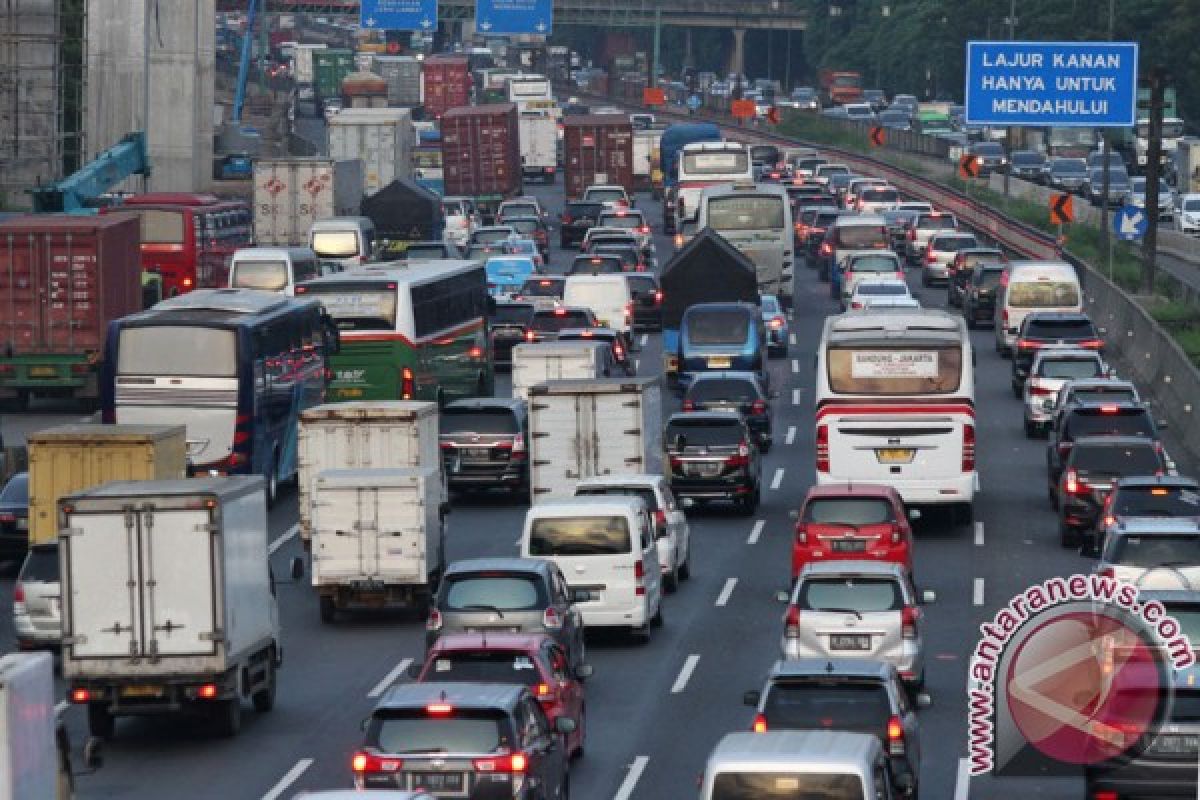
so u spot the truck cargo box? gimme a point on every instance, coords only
(481, 152)
(382, 138)
(404, 212)
(555, 361)
(29, 758)
(597, 149)
(402, 74)
(447, 84)
(290, 194)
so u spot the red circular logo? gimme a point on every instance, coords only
(1085, 687)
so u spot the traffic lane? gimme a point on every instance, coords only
(15, 429)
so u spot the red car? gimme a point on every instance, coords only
(532, 659)
(852, 521)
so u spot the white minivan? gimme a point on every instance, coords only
(606, 551)
(608, 296)
(273, 269)
(348, 240)
(1029, 286)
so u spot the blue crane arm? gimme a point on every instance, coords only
(239, 97)
(71, 194)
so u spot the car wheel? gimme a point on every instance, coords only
(1016, 390)
(641, 635)
(685, 569)
(1068, 535)
(671, 581)
(328, 609)
(101, 723)
(1053, 498)
(272, 480)
(964, 513)
(657, 619)
(1031, 429)
(577, 753)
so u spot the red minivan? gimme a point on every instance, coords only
(859, 521)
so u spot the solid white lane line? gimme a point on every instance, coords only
(962, 781)
(792, 338)
(689, 666)
(288, 779)
(757, 531)
(777, 480)
(796, 396)
(390, 678)
(979, 534)
(631, 778)
(795, 365)
(977, 594)
(791, 435)
(60, 707)
(645, 338)
(726, 591)
(637, 364)
(284, 538)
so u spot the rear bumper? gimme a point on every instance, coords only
(609, 615)
(907, 658)
(946, 491)
(710, 489)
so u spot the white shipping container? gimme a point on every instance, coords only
(538, 134)
(581, 429)
(302, 62)
(382, 138)
(403, 77)
(555, 361)
(363, 435)
(644, 144)
(29, 759)
(290, 194)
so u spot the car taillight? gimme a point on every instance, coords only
(514, 763)
(1028, 344)
(1040, 391)
(912, 234)
(19, 593)
(434, 622)
(639, 578)
(551, 619)
(1109, 521)
(566, 219)
(776, 322)
(1072, 484)
(760, 724)
(688, 405)
(658, 296)
(1107, 572)
(364, 763)
(801, 533)
(741, 458)
(896, 534)
(823, 448)
(758, 408)
(929, 255)
(908, 621)
(968, 451)
(628, 311)
(857, 305)
(791, 622)
(406, 384)
(826, 249)
(660, 519)
(1004, 318)
(895, 736)
(644, 229)
(530, 336)
(80, 696)
(1091, 344)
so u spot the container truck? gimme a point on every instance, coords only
(539, 146)
(645, 156)
(302, 62)
(447, 84)
(382, 138)
(481, 154)
(404, 212)
(63, 278)
(597, 149)
(839, 87)
(168, 600)
(378, 538)
(362, 435)
(555, 361)
(581, 429)
(402, 74)
(330, 67)
(290, 194)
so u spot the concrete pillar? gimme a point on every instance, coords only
(737, 62)
(688, 59)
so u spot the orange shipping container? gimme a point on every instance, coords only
(481, 153)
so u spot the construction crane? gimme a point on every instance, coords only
(239, 97)
(78, 193)
(236, 142)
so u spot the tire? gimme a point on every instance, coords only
(1016, 390)
(272, 479)
(685, 569)
(264, 698)
(565, 792)
(1031, 430)
(657, 620)
(964, 513)
(641, 635)
(227, 717)
(1053, 499)
(1068, 536)
(671, 581)
(101, 723)
(577, 753)
(328, 609)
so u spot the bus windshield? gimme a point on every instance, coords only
(716, 163)
(358, 308)
(891, 370)
(267, 276)
(745, 213)
(335, 244)
(182, 350)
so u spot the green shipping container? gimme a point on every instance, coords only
(330, 66)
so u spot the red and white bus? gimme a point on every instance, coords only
(895, 405)
(189, 239)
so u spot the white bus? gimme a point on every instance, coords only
(757, 220)
(896, 405)
(702, 164)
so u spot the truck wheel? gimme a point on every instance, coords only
(227, 717)
(264, 698)
(671, 581)
(272, 477)
(101, 724)
(328, 609)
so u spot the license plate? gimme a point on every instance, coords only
(848, 545)
(438, 781)
(493, 629)
(141, 691)
(846, 641)
(895, 455)
(43, 372)
(720, 362)
(348, 393)
(704, 470)
(477, 452)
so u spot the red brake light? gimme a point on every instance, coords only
(434, 622)
(823, 448)
(543, 690)
(826, 249)
(439, 709)
(791, 622)
(1107, 572)
(1072, 482)
(639, 577)
(206, 692)
(551, 619)
(369, 762)
(895, 736)
(688, 405)
(514, 763)
(560, 312)
(1109, 521)
(801, 533)
(660, 519)
(908, 620)
(760, 723)
(530, 336)
(1159, 492)
(475, 352)
(80, 696)
(968, 451)
(776, 322)
(406, 384)
(1108, 409)
(758, 407)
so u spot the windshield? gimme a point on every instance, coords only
(717, 327)
(579, 536)
(1042, 294)
(363, 308)
(460, 732)
(267, 276)
(882, 370)
(510, 314)
(745, 213)
(863, 594)
(498, 421)
(724, 162)
(182, 351)
(335, 244)
(505, 591)
(787, 786)
(850, 510)
(1153, 550)
(703, 433)
(16, 491)
(1070, 369)
(1122, 460)
(833, 704)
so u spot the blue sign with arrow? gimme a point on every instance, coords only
(497, 17)
(1130, 222)
(398, 15)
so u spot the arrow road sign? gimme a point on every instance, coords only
(398, 15)
(968, 167)
(1062, 209)
(1130, 222)
(878, 137)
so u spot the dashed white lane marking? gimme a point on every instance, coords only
(777, 480)
(685, 674)
(979, 534)
(962, 781)
(288, 779)
(757, 531)
(286, 537)
(642, 341)
(791, 435)
(631, 778)
(61, 707)
(637, 364)
(796, 396)
(795, 365)
(977, 594)
(791, 338)
(726, 591)
(390, 678)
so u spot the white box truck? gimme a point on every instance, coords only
(290, 194)
(362, 435)
(538, 134)
(581, 429)
(645, 149)
(302, 62)
(556, 361)
(30, 765)
(168, 602)
(382, 138)
(378, 538)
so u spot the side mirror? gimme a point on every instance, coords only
(924, 700)
(565, 725)
(783, 596)
(928, 597)
(794, 515)
(914, 514)
(751, 698)
(583, 671)
(297, 568)
(93, 754)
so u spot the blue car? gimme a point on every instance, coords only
(775, 320)
(507, 274)
(722, 337)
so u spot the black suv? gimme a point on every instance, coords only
(1089, 473)
(711, 455)
(508, 323)
(485, 444)
(480, 741)
(1141, 496)
(577, 219)
(1094, 419)
(979, 292)
(1050, 329)
(547, 322)
(618, 346)
(843, 694)
(647, 301)
(733, 391)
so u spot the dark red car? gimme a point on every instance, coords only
(860, 521)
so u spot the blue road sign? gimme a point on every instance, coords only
(514, 16)
(1062, 84)
(1130, 222)
(398, 15)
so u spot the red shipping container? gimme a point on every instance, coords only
(481, 154)
(597, 149)
(447, 83)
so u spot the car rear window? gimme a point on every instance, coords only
(725, 327)
(880, 195)
(853, 705)
(952, 244)
(1155, 550)
(989, 278)
(605, 195)
(1070, 368)
(1156, 501)
(523, 225)
(849, 510)
(1188, 617)
(881, 289)
(487, 666)
(417, 731)
(1124, 460)
(1041, 328)
(628, 257)
(717, 389)
(648, 495)
(505, 314)
(16, 491)
(499, 420)
(969, 260)
(596, 265)
(580, 211)
(542, 288)
(642, 284)
(554, 321)
(1122, 394)
(414, 251)
(880, 263)
(704, 433)
(627, 221)
(506, 591)
(863, 594)
(1131, 422)
(787, 786)
(41, 565)
(490, 236)
(865, 236)
(579, 536)
(937, 222)
(1042, 294)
